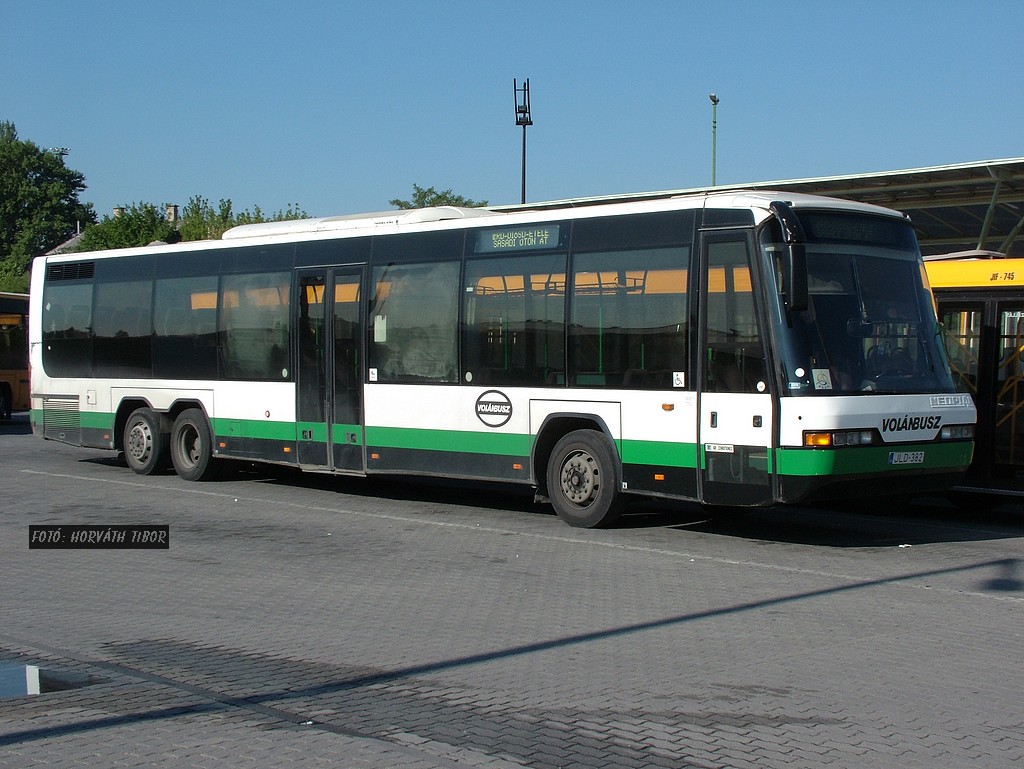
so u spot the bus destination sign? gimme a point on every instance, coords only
(529, 238)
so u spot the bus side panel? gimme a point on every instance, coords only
(436, 430)
(488, 433)
(659, 443)
(254, 420)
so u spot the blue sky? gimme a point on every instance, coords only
(339, 107)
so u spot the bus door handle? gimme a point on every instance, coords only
(714, 419)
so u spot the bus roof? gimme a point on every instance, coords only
(974, 269)
(974, 253)
(451, 216)
(741, 198)
(356, 221)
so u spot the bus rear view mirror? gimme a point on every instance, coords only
(796, 277)
(860, 329)
(794, 263)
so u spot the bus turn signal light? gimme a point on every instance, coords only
(817, 439)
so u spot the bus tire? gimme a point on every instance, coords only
(145, 445)
(582, 480)
(192, 447)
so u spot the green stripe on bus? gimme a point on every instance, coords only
(95, 420)
(659, 453)
(872, 459)
(504, 444)
(253, 428)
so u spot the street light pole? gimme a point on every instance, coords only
(714, 138)
(523, 118)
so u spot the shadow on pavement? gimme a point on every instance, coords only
(18, 424)
(847, 524)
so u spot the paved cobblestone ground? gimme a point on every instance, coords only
(317, 621)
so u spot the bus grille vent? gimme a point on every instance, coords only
(61, 420)
(70, 271)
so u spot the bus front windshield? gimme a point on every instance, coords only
(870, 325)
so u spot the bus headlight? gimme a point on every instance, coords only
(956, 432)
(853, 438)
(842, 438)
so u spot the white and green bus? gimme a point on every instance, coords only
(734, 348)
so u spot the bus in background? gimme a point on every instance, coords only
(731, 348)
(980, 301)
(14, 378)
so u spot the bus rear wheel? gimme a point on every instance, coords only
(582, 482)
(145, 445)
(192, 447)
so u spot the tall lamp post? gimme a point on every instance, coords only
(714, 138)
(523, 118)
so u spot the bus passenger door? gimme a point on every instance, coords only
(329, 384)
(974, 349)
(734, 435)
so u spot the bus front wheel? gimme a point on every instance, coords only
(192, 447)
(582, 484)
(145, 445)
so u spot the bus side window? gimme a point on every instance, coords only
(514, 320)
(629, 324)
(254, 325)
(414, 317)
(735, 359)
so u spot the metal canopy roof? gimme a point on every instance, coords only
(954, 208)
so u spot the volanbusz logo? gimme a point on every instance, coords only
(493, 408)
(909, 423)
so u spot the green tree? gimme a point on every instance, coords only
(423, 198)
(39, 205)
(144, 223)
(201, 221)
(137, 225)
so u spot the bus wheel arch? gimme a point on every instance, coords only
(144, 440)
(191, 446)
(578, 470)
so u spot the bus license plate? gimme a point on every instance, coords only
(906, 457)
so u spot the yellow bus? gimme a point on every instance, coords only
(14, 379)
(980, 302)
